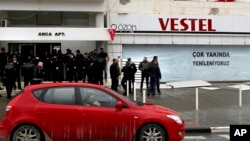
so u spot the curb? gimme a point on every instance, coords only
(224, 129)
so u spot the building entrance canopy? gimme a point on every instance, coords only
(54, 34)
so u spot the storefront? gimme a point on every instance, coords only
(189, 47)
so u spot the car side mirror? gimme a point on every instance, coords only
(119, 105)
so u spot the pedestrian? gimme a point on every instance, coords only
(60, 57)
(17, 55)
(56, 67)
(86, 63)
(27, 71)
(10, 72)
(129, 71)
(154, 74)
(3, 62)
(114, 74)
(104, 58)
(97, 71)
(90, 70)
(17, 64)
(38, 73)
(79, 65)
(93, 54)
(71, 72)
(30, 56)
(143, 67)
(65, 59)
(46, 59)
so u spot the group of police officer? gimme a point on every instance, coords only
(52, 67)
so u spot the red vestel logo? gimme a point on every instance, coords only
(184, 24)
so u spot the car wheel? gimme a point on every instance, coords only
(152, 132)
(27, 133)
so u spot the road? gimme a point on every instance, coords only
(206, 137)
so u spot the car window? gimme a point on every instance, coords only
(38, 93)
(65, 95)
(96, 97)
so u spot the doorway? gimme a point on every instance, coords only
(38, 49)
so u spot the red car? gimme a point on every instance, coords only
(79, 111)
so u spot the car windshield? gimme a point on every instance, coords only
(138, 103)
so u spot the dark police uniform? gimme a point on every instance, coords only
(71, 68)
(17, 64)
(114, 74)
(10, 71)
(27, 71)
(129, 71)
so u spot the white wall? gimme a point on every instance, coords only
(54, 5)
(180, 7)
(4, 44)
(83, 46)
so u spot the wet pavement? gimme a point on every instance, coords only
(216, 107)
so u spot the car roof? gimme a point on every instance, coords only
(64, 84)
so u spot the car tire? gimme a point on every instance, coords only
(27, 132)
(152, 132)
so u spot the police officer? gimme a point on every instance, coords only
(86, 63)
(46, 59)
(56, 66)
(129, 71)
(104, 59)
(10, 71)
(114, 74)
(17, 55)
(71, 68)
(60, 57)
(17, 64)
(3, 62)
(79, 65)
(90, 70)
(98, 71)
(27, 71)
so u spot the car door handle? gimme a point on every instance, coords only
(40, 112)
(86, 115)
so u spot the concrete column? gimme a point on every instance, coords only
(99, 20)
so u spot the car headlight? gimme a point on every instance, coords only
(177, 119)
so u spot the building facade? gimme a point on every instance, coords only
(45, 25)
(196, 39)
(193, 39)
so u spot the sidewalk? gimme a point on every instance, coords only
(218, 109)
(218, 106)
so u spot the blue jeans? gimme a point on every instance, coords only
(153, 82)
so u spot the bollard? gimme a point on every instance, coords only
(144, 96)
(127, 88)
(240, 97)
(134, 91)
(197, 99)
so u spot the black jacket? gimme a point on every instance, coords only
(38, 72)
(114, 70)
(10, 71)
(129, 71)
(154, 70)
(27, 70)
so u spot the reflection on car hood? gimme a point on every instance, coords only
(159, 109)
